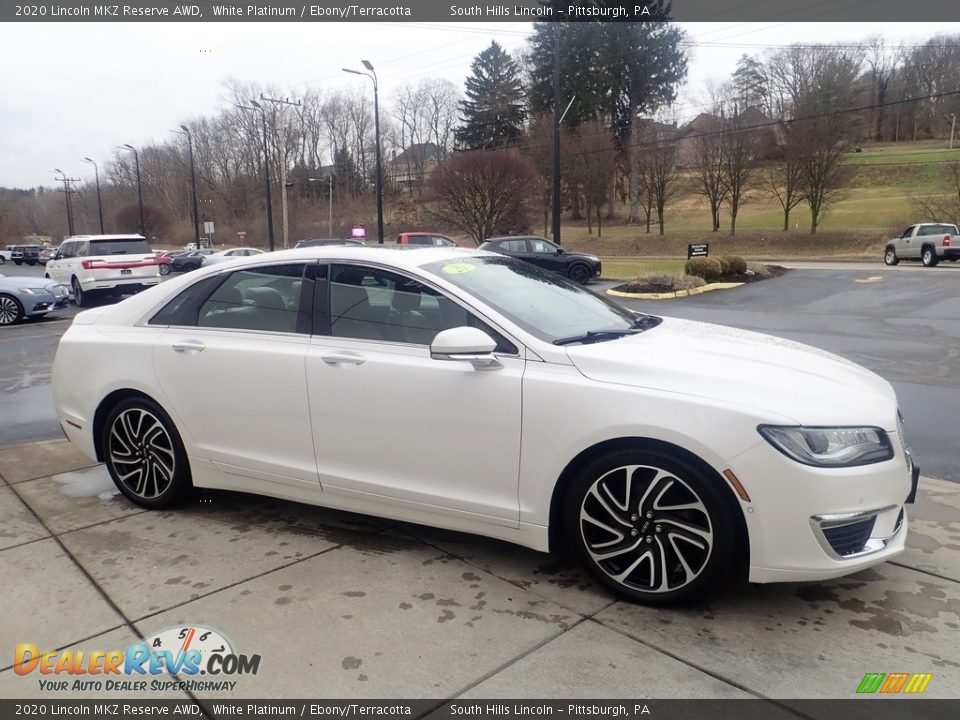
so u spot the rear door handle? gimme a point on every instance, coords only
(189, 346)
(334, 358)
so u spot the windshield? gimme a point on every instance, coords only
(119, 246)
(547, 306)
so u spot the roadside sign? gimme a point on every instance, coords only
(359, 231)
(698, 250)
(208, 227)
(242, 238)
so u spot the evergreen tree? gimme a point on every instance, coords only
(493, 112)
(750, 84)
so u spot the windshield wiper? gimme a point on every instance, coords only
(641, 323)
(591, 336)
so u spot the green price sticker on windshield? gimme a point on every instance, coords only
(458, 268)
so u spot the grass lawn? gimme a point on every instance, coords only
(620, 269)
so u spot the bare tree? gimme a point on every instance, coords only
(483, 191)
(784, 177)
(883, 62)
(594, 166)
(740, 148)
(710, 180)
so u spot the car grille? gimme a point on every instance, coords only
(849, 538)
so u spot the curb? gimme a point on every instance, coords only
(675, 294)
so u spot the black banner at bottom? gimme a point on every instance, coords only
(862, 708)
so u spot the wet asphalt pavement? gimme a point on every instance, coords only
(901, 322)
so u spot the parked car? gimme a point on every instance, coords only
(425, 238)
(665, 454)
(188, 261)
(29, 254)
(229, 254)
(323, 242)
(5, 254)
(23, 297)
(165, 258)
(104, 265)
(579, 267)
(46, 254)
(927, 242)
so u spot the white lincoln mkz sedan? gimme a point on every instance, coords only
(472, 391)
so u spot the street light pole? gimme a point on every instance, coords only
(953, 126)
(556, 133)
(184, 130)
(376, 129)
(136, 162)
(96, 171)
(266, 168)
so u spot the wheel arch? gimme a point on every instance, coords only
(103, 410)
(556, 538)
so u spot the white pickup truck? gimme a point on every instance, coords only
(927, 242)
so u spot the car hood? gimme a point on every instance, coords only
(15, 283)
(775, 376)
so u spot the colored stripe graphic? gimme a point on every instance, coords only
(894, 682)
(870, 683)
(918, 682)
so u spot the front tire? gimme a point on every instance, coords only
(890, 257)
(144, 454)
(164, 269)
(579, 273)
(928, 256)
(11, 311)
(651, 527)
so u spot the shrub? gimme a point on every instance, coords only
(708, 268)
(724, 266)
(738, 266)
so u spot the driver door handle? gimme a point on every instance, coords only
(335, 358)
(189, 346)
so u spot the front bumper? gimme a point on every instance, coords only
(806, 523)
(41, 304)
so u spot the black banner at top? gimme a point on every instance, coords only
(481, 11)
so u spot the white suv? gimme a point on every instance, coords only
(104, 264)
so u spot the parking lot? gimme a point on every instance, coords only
(344, 606)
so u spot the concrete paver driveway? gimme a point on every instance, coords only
(344, 606)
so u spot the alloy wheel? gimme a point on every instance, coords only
(77, 293)
(646, 529)
(10, 310)
(142, 453)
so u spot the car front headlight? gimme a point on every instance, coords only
(33, 291)
(829, 447)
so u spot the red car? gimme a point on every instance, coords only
(425, 239)
(164, 258)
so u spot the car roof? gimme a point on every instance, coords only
(125, 236)
(517, 237)
(400, 256)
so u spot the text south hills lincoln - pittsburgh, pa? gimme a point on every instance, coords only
(611, 12)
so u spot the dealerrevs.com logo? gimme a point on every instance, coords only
(187, 651)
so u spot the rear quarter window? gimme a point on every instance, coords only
(119, 246)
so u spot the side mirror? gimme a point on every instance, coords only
(559, 251)
(465, 344)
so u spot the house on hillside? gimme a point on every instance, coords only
(409, 170)
(707, 127)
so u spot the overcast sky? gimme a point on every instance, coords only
(70, 90)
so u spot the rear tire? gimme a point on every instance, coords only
(164, 269)
(11, 311)
(890, 257)
(651, 527)
(81, 297)
(928, 256)
(144, 454)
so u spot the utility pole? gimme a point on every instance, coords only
(329, 201)
(266, 169)
(556, 132)
(953, 126)
(67, 191)
(283, 170)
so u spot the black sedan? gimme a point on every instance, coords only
(185, 262)
(579, 267)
